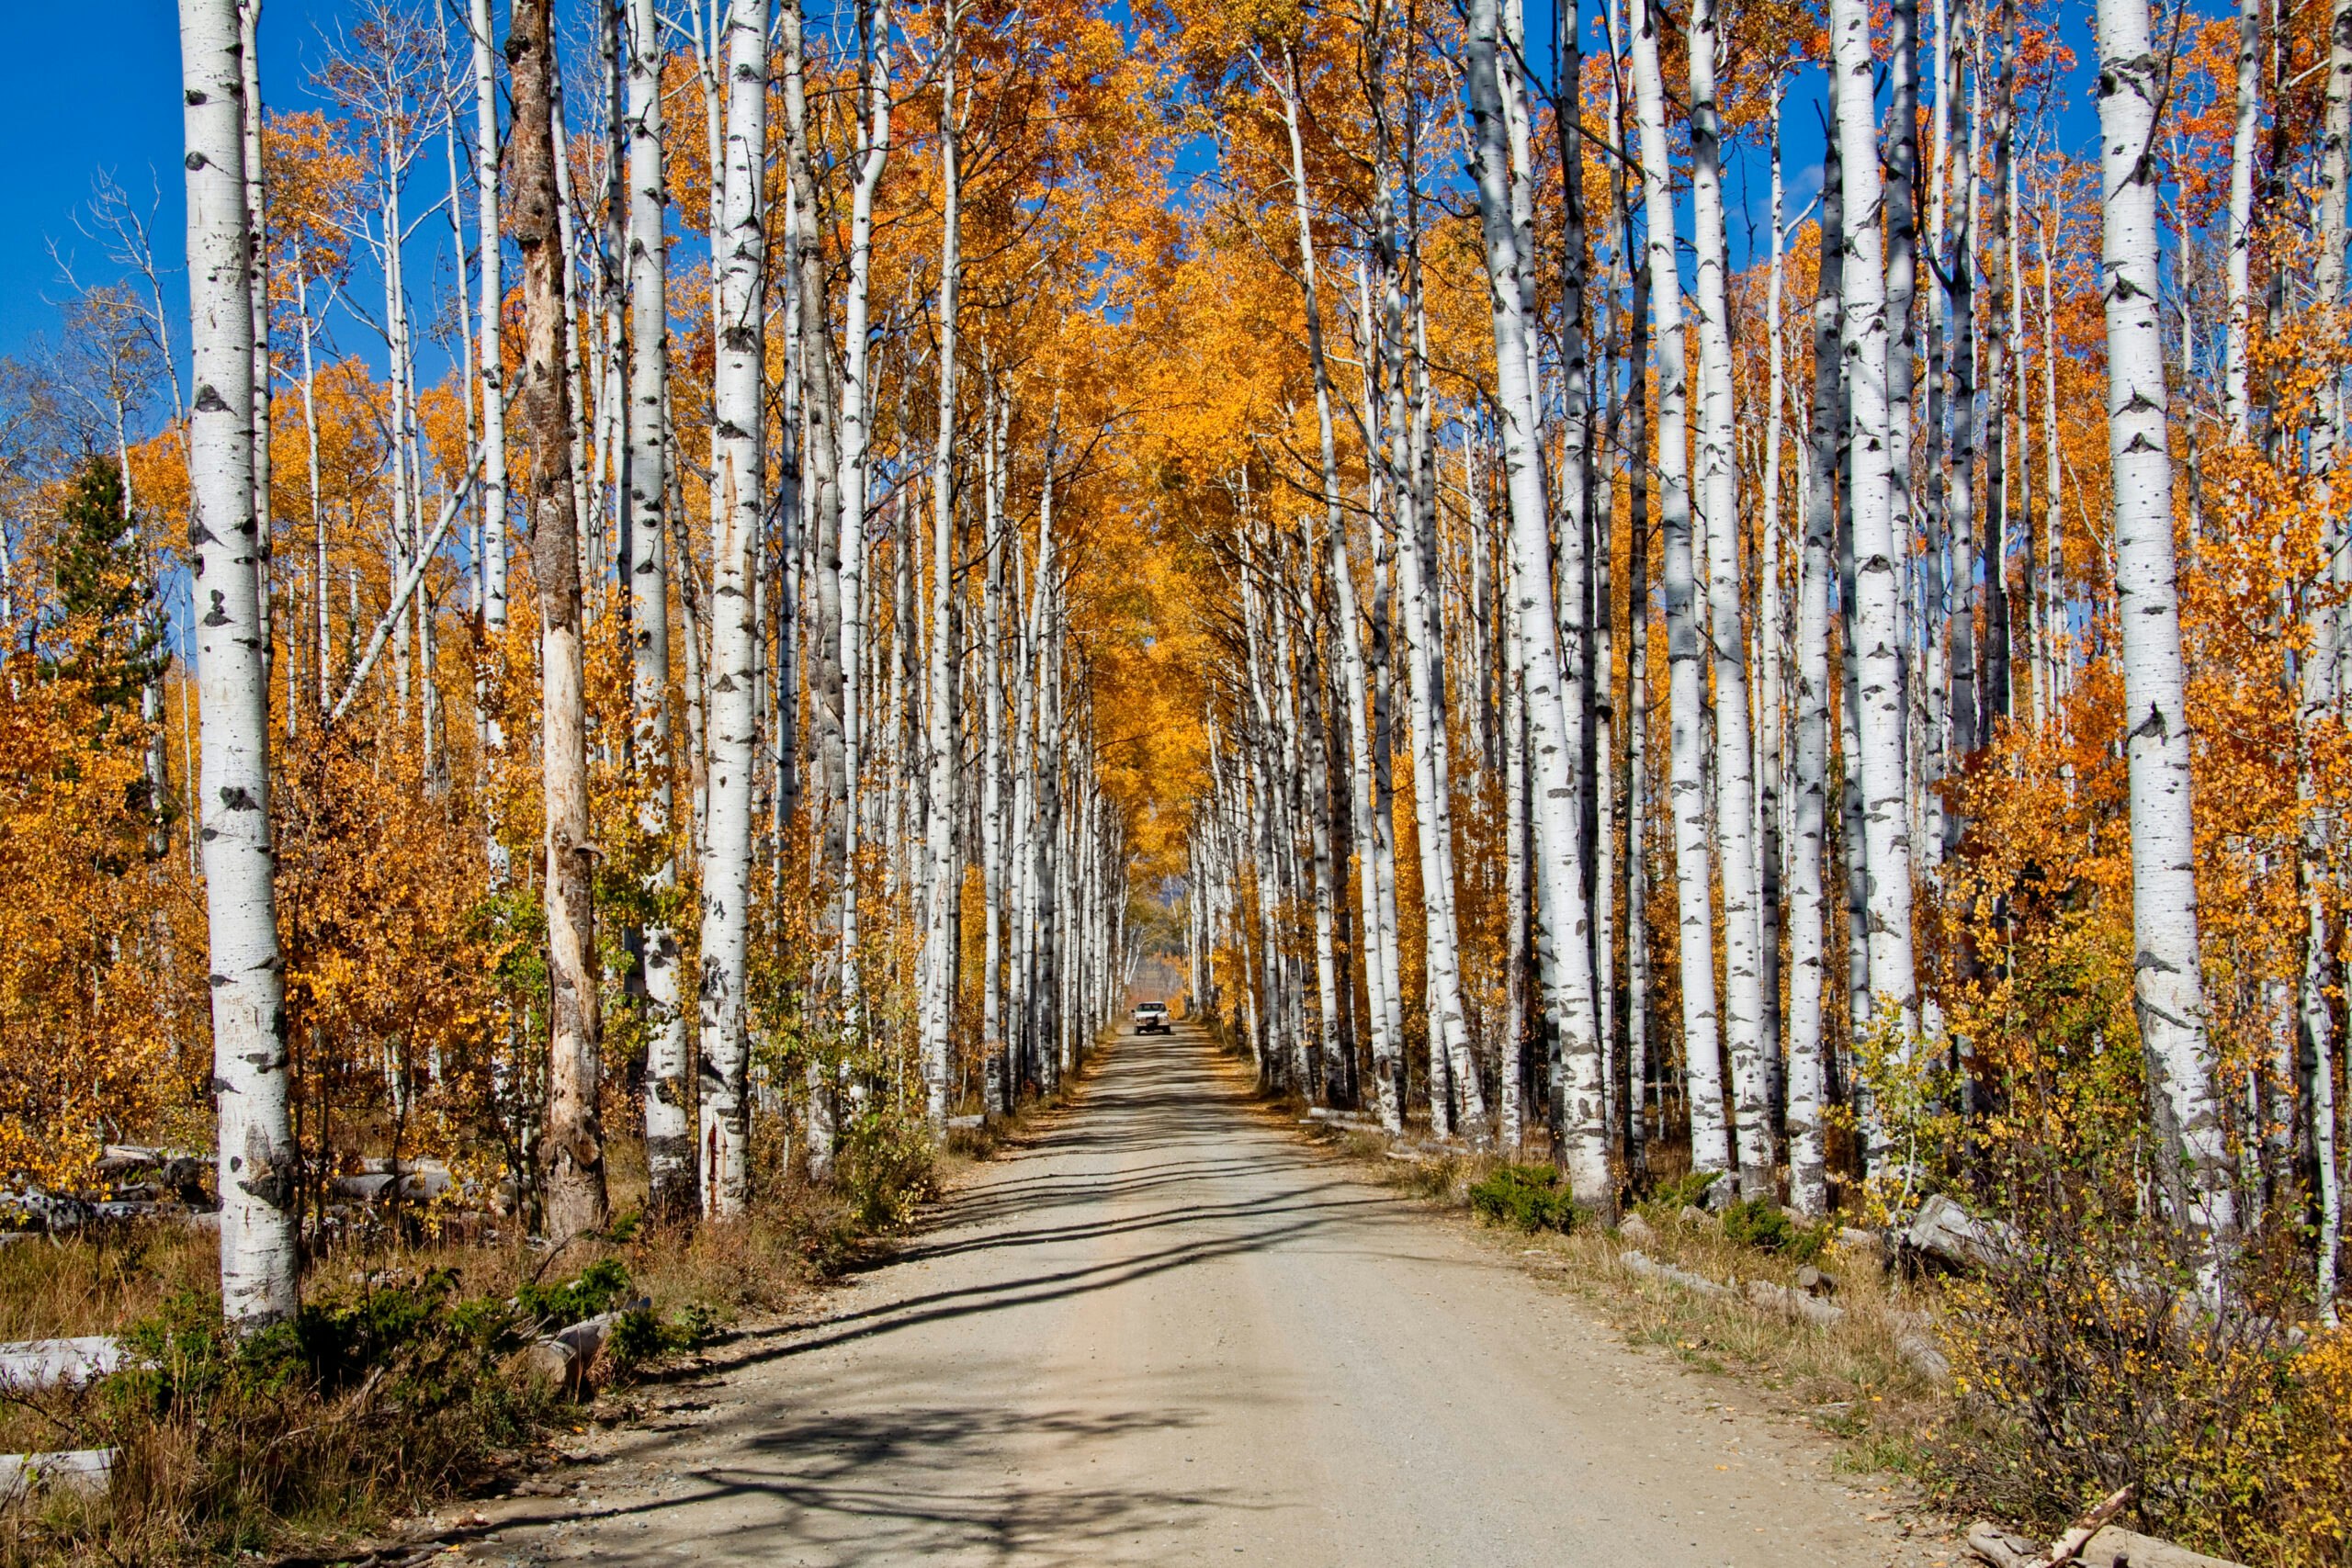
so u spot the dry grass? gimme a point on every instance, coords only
(396, 1390)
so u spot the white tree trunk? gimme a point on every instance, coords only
(671, 1164)
(1808, 917)
(1872, 626)
(2168, 980)
(857, 440)
(1559, 838)
(942, 743)
(1743, 1015)
(2240, 234)
(1710, 1128)
(258, 1162)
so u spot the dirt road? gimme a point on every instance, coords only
(1166, 1332)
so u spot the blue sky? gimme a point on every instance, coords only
(113, 106)
(117, 109)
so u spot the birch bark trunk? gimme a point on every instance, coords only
(1560, 841)
(1808, 919)
(572, 1147)
(872, 111)
(1743, 1014)
(258, 1161)
(738, 477)
(1710, 1129)
(670, 1167)
(2239, 237)
(1880, 717)
(941, 742)
(2167, 980)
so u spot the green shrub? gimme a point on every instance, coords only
(1762, 1224)
(1527, 1196)
(1686, 1190)
(600, 1287)
(885, 1169)
(641, 1336)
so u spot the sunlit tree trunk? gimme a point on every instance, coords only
(941, 742)
(257, 1160)
(490, 356)
(1335, 532)
(572, 1147)
(671, 1167)
(2167, 980)
(738, 477)
(872, 111)
(257, 294)
(1872, 625)
(1710, 1130)
(2239, 237)
(1743, 1013)
(1808, 916)
(1559, 836)
(992, 752)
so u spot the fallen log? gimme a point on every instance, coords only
(86, 1471)
(1793, 1303)
(2064, 1548)
(1951, 1236)
(567, 1358)
(2004, 1549)
(2116, 1547)
(29, 1365)
(1649, 1267)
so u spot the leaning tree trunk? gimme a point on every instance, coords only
(258, 1160)
(2240, 235)
(2168, 981)
(670, 1180)
(573, 1145)
(1559, 836)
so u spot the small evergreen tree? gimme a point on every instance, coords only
(106, 589)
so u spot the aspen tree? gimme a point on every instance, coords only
(572, 1146)
(257, 1158)
(1872, 625)
(1710, 1131)
(738, 421)
(257, 294)
(1335, 530)
(2239, 238)
(669, 1161)
(946, 868)
(2195, 1171)
(871, 112)
(1559, 837)
(1808, 922)
(1735, 782)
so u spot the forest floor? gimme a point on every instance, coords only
(1156, 1328)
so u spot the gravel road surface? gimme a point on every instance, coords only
(1166, 1332)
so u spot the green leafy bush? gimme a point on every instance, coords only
(643, 1335)
(885, 1169)
(1689, 1190)
(600, 1287)
(1527, 1196)
(1762, 1224)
